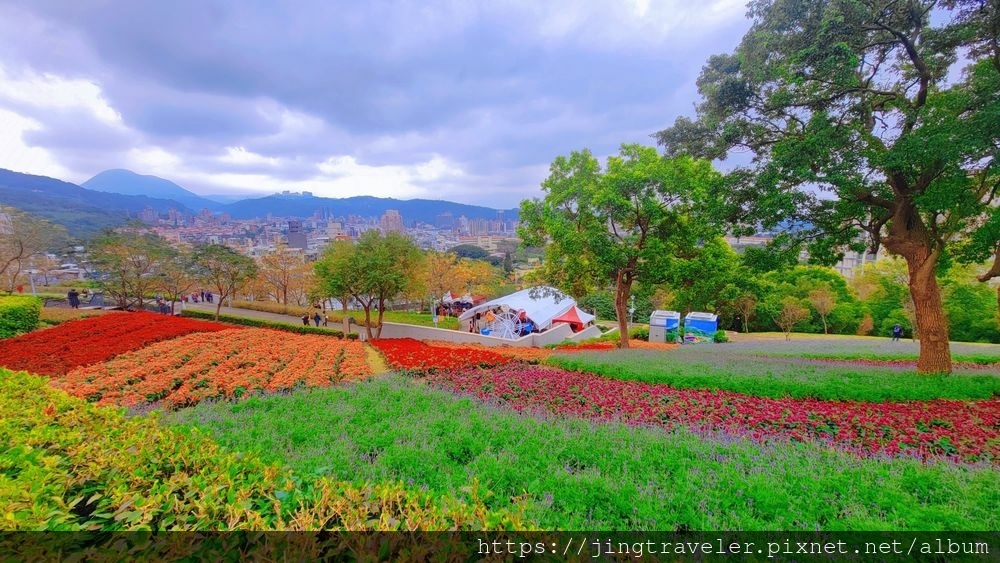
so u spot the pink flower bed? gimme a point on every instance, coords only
(965, 430)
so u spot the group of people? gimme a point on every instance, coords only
(162, 306)
(202, 296)
(317, 318)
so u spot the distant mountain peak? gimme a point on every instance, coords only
(127, 182)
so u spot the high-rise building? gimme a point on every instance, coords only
(444, 220)
(296, 235)
(6, 225)
(148, 215)
(391, 221)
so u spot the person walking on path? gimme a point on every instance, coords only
(317, 318)
(326, 319)
(74, 298)
(305, 319)
(897, 332)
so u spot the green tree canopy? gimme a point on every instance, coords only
(617, 226)
(374, 271)
(857, 98)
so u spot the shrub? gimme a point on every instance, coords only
(720, 336)
(18, 314)
(867, 326)
(272, 307)
(261, 323)
(639, 333)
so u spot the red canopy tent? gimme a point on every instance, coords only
(575, 317)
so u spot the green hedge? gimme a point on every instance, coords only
(18, 314)
(261, 323)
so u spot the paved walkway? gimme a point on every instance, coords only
(263, 315)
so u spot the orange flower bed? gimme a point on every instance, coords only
(527, 353)
(229, 363)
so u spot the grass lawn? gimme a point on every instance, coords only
(855, 347)
(744, 369)
(419, 319)
(576, 474)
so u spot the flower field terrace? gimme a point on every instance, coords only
(416, 356)
(228, 363)
(967, 431)
(575, 473)
(83, 342)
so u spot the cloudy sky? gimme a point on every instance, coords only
(446, 100)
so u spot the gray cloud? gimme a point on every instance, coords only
(497, 89)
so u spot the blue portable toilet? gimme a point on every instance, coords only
(662, 322)
(705, 323)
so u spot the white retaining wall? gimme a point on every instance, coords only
(552, 336)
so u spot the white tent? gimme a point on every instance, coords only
(541, 304)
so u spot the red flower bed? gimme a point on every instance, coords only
(414, 355)
(958, 429)
(57, 350)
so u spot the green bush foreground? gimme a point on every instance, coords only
(67, 465)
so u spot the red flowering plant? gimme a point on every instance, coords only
(83, 342)
(960, 430)
(414, 356)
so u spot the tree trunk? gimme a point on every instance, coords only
(346, 319)
(932, 325)
(368, 320)
(218, 308)
(909, 238)
(381, 311)
(622, 290)
(825, 331)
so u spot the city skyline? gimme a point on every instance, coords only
(445, 101)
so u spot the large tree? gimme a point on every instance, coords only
(177, 275)
(286, 272)
(616, 226)
(336, 275)
(127, 263)
(862, 99)
(374, 271)
(223, 270)
(23, 237)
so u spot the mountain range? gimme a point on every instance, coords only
(111, 197)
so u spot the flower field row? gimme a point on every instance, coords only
(414, 355)
(958, 429)
(82, 342)
(229, 363)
